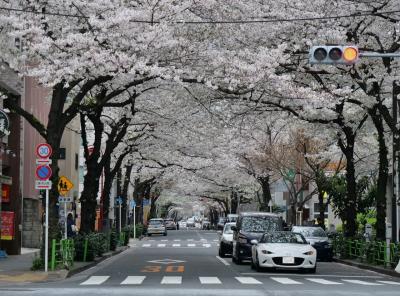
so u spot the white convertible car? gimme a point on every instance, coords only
(283, 250)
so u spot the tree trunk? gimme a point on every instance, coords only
(266, 193)
(382, 180)
(108, 181)
(350, 227)
(124, 194)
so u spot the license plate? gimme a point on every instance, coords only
(288, 260)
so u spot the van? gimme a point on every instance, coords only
(249, 226)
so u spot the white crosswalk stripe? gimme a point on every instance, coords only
(209, 280)
(176, 245)
(285, 281)
(248, 280)
(362, 283)
(323, 281)
(190, 239)
(213, 280)
(207, 245)
(191, 245)
(389, 282)
(164, 240)
(177, 240)
(168, 280)
(146, 245)
(95, 280)
(133, 280)
(161, 245)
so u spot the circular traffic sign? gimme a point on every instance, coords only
(44, 150)
(43, 172)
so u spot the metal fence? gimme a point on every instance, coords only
(372, 252)
(62, 252)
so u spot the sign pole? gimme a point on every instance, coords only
(46, 248)
(120, 218)
(65, 220)
(134, 221)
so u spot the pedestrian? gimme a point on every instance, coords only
(71, 227)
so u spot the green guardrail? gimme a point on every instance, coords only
(62, 252)
(372, 252)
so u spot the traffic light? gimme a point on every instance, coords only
(334, 55)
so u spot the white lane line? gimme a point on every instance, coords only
(223, 260)
(95, 280)
(285, 281)
(191, 245)
(209, 280)
(168, 280)
(206, 245)
(389, 282)
(133, 280)
(314, 275)
(161, 245)
(358, 282)
(177, 240)
(248, 280)
(146, 245)
(176, 245)
(324, 282)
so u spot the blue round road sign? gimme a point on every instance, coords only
(43, 172)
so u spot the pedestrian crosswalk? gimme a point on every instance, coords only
(241, 280)
(190, 243)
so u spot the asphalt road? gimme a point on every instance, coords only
(186, 263)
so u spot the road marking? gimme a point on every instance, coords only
(133, 280)
(248, 280)
(362, 283)
(176, 245)
(146, 245)
(95, 280)
(168, 280)
(285, 281)
(203, 239)
(209, 280)
(314, 275)
(161, 245)
(223, 260)
(206, 245)
(322, 281)
(164, 240)
(215, 240)
(191, 245)
(389, 282)
(190, 239)
(177, 240)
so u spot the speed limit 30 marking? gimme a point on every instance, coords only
(44, 150)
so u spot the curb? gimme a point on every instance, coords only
(368, 267)
(95, 262)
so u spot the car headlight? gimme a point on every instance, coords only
(309, 253)
(266, 252)
(242, 240)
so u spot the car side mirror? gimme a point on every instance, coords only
(219, 232)
(254, 242)
(234, 228)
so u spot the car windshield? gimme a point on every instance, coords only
(228, 228)
(283, 237)
(260, 224)
(155, 222)
(311, 232)
(221, 220)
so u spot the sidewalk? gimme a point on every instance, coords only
(363, 265)
(16, 269)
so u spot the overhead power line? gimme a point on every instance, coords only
(246, 21)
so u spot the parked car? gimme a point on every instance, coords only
(190, 222)
(182, 224)
(231, 218)
(225, 243)
(318, 238)
(283, 250)
(156, 226)
(251, 225)
(221, 223)
(170, 224)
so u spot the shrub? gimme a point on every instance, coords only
(37, 263)
(113, 240)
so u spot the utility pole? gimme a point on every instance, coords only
(396, 163)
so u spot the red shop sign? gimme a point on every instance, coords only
(7, 225)
(5, 193)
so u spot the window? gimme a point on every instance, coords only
(62, 153)
(76, 161)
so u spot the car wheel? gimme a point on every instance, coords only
(257, 264)
(149, 234)
(312, 270)
(221, 252)
(165, 234)
(238, 260)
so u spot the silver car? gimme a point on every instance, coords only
(156, 226)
